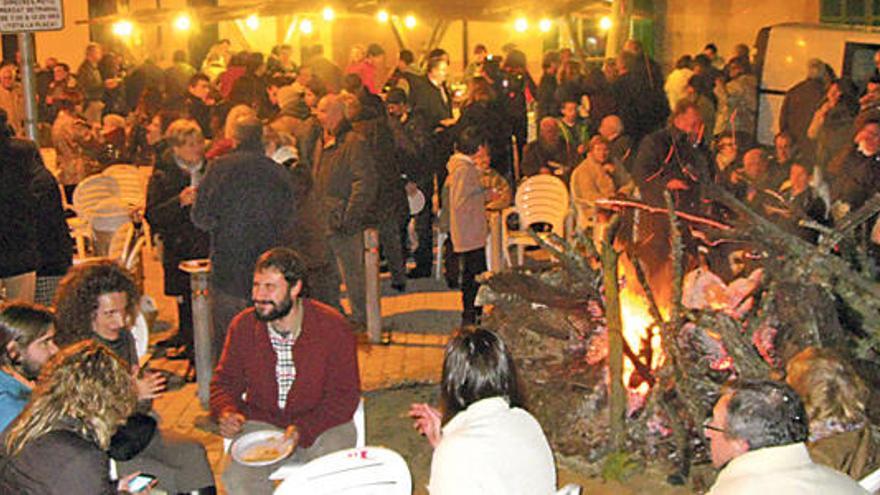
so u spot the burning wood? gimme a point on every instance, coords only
(675, 357)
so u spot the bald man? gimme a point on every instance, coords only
(619, 144)
(549, 154)
(346, 185)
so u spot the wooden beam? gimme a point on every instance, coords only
(614, 325)
(396, 32)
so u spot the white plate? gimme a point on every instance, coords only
(259, 439)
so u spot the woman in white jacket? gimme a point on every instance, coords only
(488, 443)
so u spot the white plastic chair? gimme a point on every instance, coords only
(358, 471)
(132, 186)
(92, 191)
(89, 194)
(360, 426)
(121, 243)
(133, 182)
(539, 199)
(570, 489)
(871, 482)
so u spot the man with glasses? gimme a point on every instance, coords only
(757, 436)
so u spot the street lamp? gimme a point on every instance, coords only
(123, 29)
(252, 22)
(306, 27)
(545, 25)
(182, 22)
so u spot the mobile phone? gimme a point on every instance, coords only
(140, 482)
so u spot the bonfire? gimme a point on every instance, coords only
(614, 372)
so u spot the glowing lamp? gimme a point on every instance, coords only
(409, 21)
(382, 16)
(521, 25)
(328, 14)
(306, 27)
(123, 28)
(252, 22)
(183, 22)
(545, 25)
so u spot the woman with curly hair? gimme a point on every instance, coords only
(95, 301)
(58, 443)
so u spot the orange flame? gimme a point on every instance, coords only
(636, 322)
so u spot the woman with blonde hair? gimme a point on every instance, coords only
(835, 399)
(58, 444)
(226, 144)
(171, 192)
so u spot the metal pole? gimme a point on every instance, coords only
(199, 271)
(374, 296)
(465, 44)
(495, 247)
(29, 80)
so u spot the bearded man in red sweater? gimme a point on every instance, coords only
(289, 364)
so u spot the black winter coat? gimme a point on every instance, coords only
(181, 239)
(18, 249)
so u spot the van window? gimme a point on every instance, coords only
(858, 62)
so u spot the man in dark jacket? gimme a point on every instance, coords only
(549, 154)
(858, 178)
(18, 251)
(198, 104)
(801, 102)
(412, 140)
(52, 232)
(391, 210)
(346, 185)
(671, 159)
(431, 100)
(246, 202)
(641, 102)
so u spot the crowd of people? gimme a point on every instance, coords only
(275, 170)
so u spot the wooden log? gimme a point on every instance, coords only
(614, 324)
(374, 299)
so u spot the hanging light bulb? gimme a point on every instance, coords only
(183, 22)
(123, 28)
(306, 26)
(545, 25)
(252, 22)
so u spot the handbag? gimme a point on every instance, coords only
(132, 437)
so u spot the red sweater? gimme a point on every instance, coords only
(327, 386)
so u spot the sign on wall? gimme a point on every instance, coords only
(18, 16)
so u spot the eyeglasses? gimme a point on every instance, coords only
(708, 426)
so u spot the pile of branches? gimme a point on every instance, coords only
(810, 294)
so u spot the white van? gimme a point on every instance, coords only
(783, 51)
